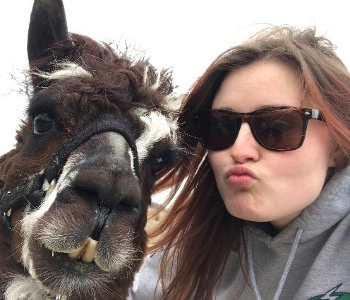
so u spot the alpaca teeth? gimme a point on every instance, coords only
(86, 252)
(9, 212)
(76, 253)
(53, 254)
(90, 250)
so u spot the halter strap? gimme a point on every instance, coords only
(31, 189)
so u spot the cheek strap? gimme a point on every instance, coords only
(54, 169)
(30, 191)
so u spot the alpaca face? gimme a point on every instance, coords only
(99, 130)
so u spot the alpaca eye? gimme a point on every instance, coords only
(158, 163)
(163, 160)
(42, 123)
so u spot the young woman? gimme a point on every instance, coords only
(263, 211)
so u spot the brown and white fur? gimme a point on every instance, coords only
(85, 237)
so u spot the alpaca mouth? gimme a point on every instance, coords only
(83, 258)
(86, 252)
(91, 238)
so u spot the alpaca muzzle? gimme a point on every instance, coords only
(31, 190)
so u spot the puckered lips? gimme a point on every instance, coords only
(240, 176)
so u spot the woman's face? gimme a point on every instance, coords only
(261, 185)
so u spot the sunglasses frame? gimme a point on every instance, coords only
(306, 115)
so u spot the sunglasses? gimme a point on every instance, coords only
(274, 128)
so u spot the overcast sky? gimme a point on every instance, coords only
(184, 35)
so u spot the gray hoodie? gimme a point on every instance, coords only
(309, 259)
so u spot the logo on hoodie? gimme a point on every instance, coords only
(333, 294)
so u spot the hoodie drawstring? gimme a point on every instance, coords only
(285, 271)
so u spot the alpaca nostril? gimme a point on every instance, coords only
(101, 221)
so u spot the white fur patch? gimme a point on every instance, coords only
(157, 128)
(64, 70)
(31, 217)
(24, 288)
(173, 100)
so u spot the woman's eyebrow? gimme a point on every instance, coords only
(259, 108)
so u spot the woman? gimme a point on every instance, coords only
(263, 212)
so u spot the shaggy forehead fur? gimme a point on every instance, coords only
(157, 124)
(136, 81)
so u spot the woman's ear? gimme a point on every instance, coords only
(336, 158)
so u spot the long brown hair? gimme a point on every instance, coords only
(199, 234)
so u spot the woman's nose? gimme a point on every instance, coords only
(245, 148)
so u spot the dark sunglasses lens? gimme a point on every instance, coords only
(217, 129)
(280, 130)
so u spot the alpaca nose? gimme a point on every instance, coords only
(110, 188)
(106, 175)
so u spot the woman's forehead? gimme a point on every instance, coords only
(259, 84)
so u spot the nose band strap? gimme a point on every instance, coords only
(54, 169)
(30, 189)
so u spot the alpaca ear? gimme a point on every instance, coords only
(47, 26)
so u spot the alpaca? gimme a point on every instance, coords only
(99, 130)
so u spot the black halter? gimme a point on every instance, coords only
(31, 189)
